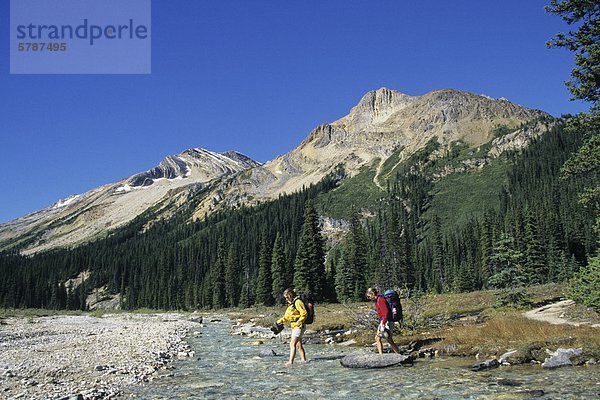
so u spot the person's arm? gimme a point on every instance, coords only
(382, 309)
(302, 310)
(286, 316)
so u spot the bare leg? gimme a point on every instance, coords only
(301, 350)
(379, 344)
(393, 345)
(293, 343)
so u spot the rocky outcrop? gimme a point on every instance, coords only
(197, 161)
(170, 168)
(520, 138)
(102, 299)
(561, 358)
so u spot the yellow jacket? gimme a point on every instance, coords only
(295, 314)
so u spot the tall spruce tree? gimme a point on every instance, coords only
(218, 277)
(309, 268)
(395, 253)
(344, 278)
(278, 270)
(535, 265)
(246, 294)
(438, 261)
(264, 282)
(507, 264)
(585, 14)
(584, 85)
(232, 273)
(355, 257)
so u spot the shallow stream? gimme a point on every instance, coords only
(229, 367)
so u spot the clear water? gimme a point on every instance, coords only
(229, 367)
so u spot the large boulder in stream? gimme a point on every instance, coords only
(561, 358)
(365, 360)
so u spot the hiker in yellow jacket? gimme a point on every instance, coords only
(295, 314)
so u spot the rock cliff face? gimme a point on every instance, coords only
(82, 217)
(382, 122)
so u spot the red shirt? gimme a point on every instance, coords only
(384, 312)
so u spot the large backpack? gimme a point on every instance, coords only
(309, 304)
(393, 300)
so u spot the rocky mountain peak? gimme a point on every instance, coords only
(197, 161)
(384, 119)
(377, 105)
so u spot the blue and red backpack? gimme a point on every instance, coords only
(393, 300)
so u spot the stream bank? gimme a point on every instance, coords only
(240, 366)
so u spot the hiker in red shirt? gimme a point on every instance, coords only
(386, 325)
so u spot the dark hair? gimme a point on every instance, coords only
(290, 292)
(373, 291)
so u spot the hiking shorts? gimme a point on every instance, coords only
(382, 328)
(298, 332)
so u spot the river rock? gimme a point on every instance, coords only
(72, 397)
(267, 353)
(416, 345)
(507, 358)
(532, 393)
(561, 358)
(488, 364)
(363, 360)
(252, 331)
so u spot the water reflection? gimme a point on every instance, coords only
(231, 367)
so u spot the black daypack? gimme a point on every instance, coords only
(309, 304)
(393, 300)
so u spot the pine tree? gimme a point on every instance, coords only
(585, 14)
(354, 261)
(464, 278)
(379, 266)
(393, 263)
(264, 283)
(330, 275)
(439, 276)
(232, 273)
(485, 245)
(218, 277)
(535, 270)
(344, 278)
(246, 294)
(278, 270)
(309, 269)
(585, 285)
(506, 264)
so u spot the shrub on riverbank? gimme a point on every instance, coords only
(512, 331)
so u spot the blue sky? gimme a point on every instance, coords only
(257, 76)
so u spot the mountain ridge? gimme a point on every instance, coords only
(382, 122)
(81, 217)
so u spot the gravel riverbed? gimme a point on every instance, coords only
(85, 357)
